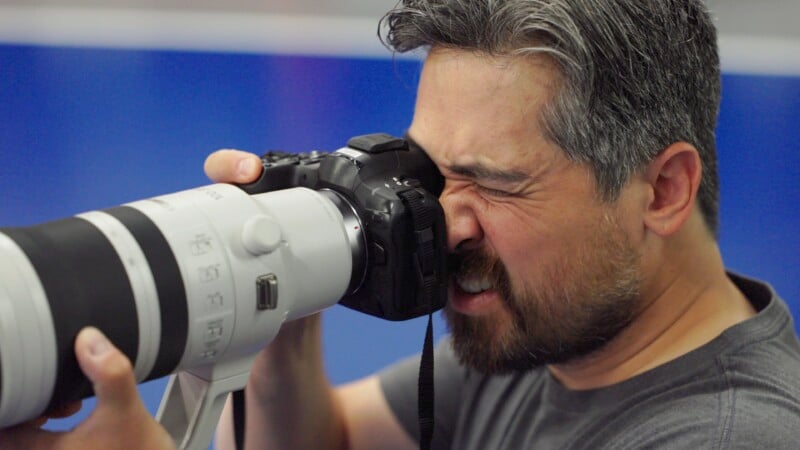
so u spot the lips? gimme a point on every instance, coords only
(474, 284)
(473, 303)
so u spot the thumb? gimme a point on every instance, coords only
(232, 166)
(109, 370)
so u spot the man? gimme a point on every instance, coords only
(591, 308)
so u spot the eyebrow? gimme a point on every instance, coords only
(481, 172)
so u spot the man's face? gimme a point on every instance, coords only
(547, 271)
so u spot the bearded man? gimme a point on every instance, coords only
(591, 307)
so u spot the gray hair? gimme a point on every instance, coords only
(638, 75)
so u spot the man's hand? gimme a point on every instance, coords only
(120, 420)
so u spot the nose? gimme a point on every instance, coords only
(463, 228)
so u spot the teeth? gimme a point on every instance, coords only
(474, 285)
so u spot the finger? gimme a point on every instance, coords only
(233, 166)
(109, 370)
(28, 437)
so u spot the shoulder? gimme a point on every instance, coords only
(761, 406)
(706, 416)
(756, 429)
(741, 391)
(744, 406)
(769, 420)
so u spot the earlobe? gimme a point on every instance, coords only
(674, 177)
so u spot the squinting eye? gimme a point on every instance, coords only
(493, 192)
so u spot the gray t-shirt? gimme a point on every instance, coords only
(741, 390)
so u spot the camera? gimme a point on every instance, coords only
(195, 283)
(392, 188)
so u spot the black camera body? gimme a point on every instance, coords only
(393, 187)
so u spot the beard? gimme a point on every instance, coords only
(584, 298)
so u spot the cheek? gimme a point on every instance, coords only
(513, 236)
(530, 243)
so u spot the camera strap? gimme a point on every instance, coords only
(425, 389)
(238, 419)
(423, 221)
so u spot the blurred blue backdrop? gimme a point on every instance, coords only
(83, 129)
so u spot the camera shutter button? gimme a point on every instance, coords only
(261, 235)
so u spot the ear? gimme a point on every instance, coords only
(674, 177)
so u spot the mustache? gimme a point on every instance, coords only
(477, 263)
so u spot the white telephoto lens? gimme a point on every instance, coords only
(180, 281)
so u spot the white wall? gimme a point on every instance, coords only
(756, 36)
(751, 17)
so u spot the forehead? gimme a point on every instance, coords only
(475, 108)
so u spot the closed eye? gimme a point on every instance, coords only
(479, 173)
(493, 192)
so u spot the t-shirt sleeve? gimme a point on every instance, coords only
(399, 384)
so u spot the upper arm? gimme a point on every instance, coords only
(369, 420)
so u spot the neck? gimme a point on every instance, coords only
(687, 303)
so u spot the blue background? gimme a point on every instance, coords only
(83, 129)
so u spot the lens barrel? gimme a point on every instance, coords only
(80, 272)
(173, 281)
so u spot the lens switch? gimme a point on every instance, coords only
(261, 235)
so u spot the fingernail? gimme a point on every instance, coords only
(97, 342)
(246, 167)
